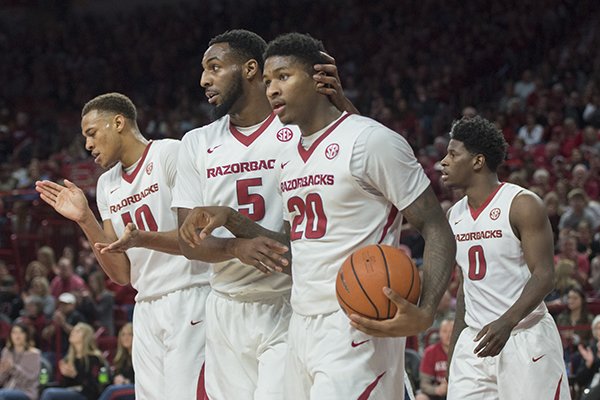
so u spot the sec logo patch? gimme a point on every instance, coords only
(332, 151)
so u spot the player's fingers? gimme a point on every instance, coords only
(328, 58)
(481, 333)
(400, 302)
(261, 267)
(327, 91)
(326, 79)
(365, 326)
(186, 236)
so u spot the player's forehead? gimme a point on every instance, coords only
(456, 146)
(92, 119)
(277, 63)
(221, 52)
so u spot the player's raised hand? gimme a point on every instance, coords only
(68, 200)
(329, 84)
(201, 221)
(263, 253)
(127, 241)
(493, 337)
(408, 321)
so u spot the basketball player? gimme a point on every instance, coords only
(168, 348)
(342, 186)
(506, 344)
(232, 162)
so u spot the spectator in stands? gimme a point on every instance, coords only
(46, 256)
(64, 319)
(19, 366)
(33, 317)
(66, 280)
(33, 270)
(579, 209)
(40, 287)
(80, 368)
(531, 133)
(10, 300)
(564, 271)
(525, 86)
(98, 302)
(587, 377)
(554, 210)
(567, 244)
(576, 315)
(433, 369)
(124, 378)
(594, 279)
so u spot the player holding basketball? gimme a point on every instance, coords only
(506, 344)
(339, 195)
(232, 162)
(168, 348)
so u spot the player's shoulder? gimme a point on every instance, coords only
(374, 131)
(200, 133)
(165, 145)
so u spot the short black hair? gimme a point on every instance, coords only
(480, 136)
(245, 44)
(112, 102)
(303, 47)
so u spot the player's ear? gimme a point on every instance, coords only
(479, 162)
(251, 70)
(119, 122)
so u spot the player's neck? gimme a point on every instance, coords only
(318, 118)
(134, 147)
(480, 191)
(253, 108)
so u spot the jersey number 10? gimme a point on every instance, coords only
(143, 219)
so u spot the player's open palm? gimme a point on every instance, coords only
(129, 240)
(68, 200)
(493, 337)
(409, 319)
(201, 221)
(263, 253)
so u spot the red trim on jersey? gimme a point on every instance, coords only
(248, 140)
(365, 395)
(390, 220)
(130, 177)
(475, 213)
(557, 394)
(305, 154)
(200, 389)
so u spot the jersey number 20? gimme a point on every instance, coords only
(310, 215)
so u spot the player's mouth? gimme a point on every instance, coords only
(278, 107)
(96, 157)
(212, 96)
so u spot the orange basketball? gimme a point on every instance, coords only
(367, 271)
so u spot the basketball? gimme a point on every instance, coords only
(367, 271)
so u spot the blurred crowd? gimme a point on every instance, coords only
(532, 67)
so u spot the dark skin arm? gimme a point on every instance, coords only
(253, 245)
(531, 224)
(426, 215)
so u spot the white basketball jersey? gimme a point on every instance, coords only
(331, 215)
(220, 166)
(490, 257)
(144, 198)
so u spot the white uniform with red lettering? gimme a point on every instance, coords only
(248, 310)
(494, 274)
(168, 338)
(342, 189)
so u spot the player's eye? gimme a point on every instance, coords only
(267, 82)
(283, 77)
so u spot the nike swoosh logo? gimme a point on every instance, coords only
(456, 222)
(283, 164)
(114, 190)
(195, 322)
(211, 149)
(536, 359)
(356, 344)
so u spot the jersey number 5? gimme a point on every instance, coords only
(143, 219)
(310, 214)
(477, 263)
(254, 203)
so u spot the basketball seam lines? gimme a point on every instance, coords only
(340, 296)
(361, 286)
(387, 274)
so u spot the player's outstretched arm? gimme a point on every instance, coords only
(329, 84)
(531, 224)
(70, 202)
(196, 241)
(166, 242)
(426, 215)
